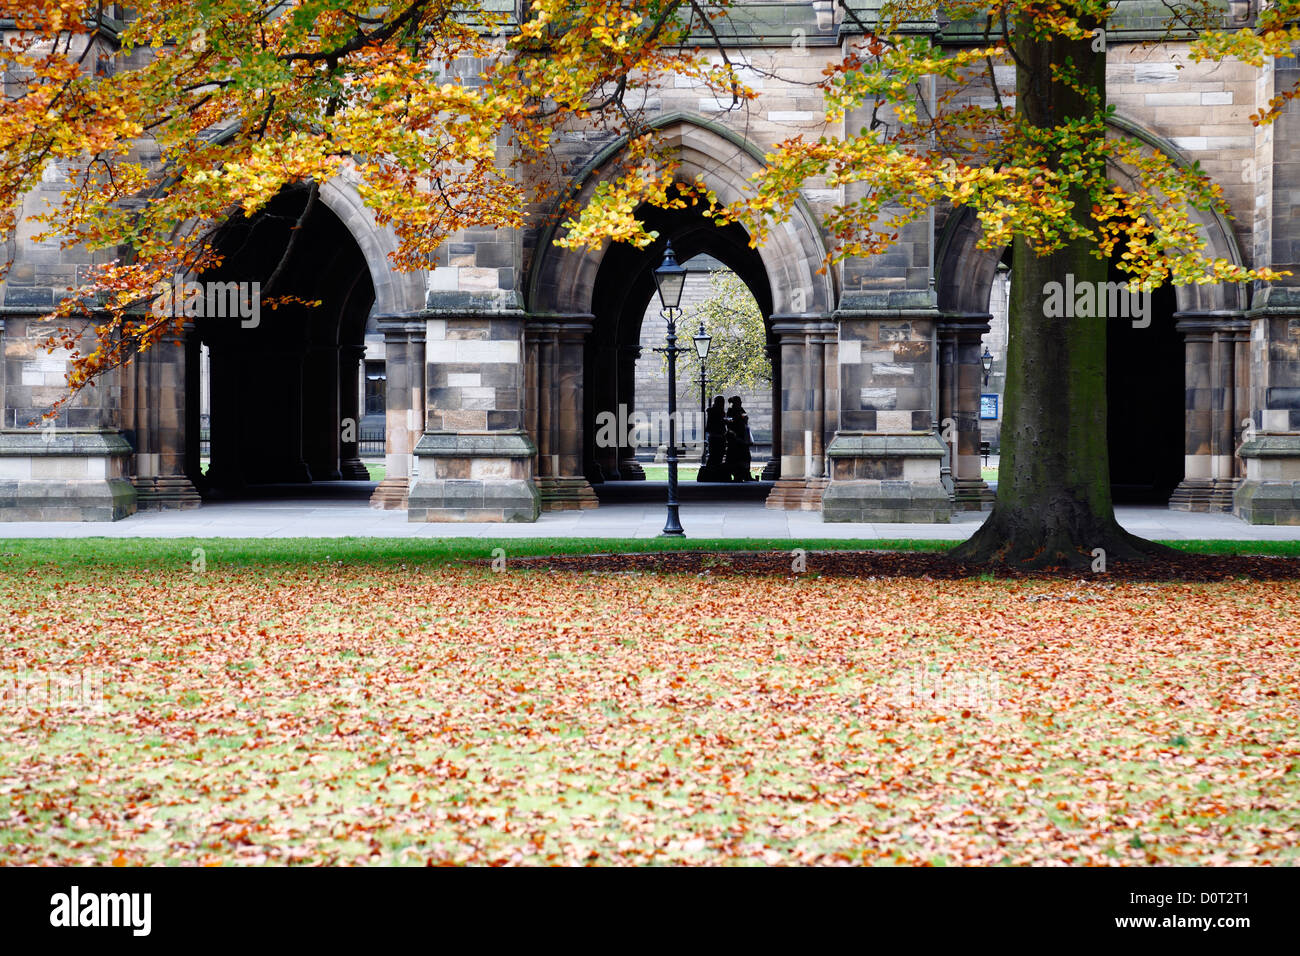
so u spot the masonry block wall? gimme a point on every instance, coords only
(75, 466)
(1270, 493)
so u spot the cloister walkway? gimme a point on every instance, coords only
(330, 518)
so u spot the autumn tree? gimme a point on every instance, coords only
(1035, 173)
(187, 115)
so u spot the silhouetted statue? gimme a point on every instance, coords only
(713, 467)
(739, 440)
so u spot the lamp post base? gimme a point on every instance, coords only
(673, 527)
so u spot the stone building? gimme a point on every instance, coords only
(500, 359)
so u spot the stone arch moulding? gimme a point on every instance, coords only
(562, 280)
(396, 293)
(965, 273)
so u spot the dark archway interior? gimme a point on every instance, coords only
(624, 287)
(1145, 389)
(284, 391)
(1145, 393)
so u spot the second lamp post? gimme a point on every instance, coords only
(670, 278)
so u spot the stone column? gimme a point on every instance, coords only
(159, 396)
(885, 458)
(404, 404)
(1242, 421)
(351, 467)
(804, 419)
(556, 346)
(475, 460)
(1217, 400)
(1270, 493)
(1223, 447)
(772, 471)
(961, 378)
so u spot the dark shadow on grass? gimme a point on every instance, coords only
(1175, 566)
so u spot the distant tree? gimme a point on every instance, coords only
(737, 356)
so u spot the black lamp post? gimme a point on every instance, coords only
(986, 360)
(671, 279)
(702, 342)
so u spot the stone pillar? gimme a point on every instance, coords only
(404, 404)
(808, 356)
(74, 467)
(772, 471)
(885, 458)
(961, 378)
(1270, 493)
(475, 460)
(156, 396)
(556, 348)
(1216, 402)
(1242, 420)
(351, 467)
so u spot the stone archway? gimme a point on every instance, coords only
(565, 302)
(561, 281)
(284, 382)
(400, 300)
(160, 388)
(1210, 318)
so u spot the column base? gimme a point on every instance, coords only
(65, 476)
(772, 470)
(566, 494)
(390, 494)
(629, 469)
(1205, 495)
(797, 494)
(353, 469)
(166, 493)
(890, 478)
(474, 476)
(972, 494)
(1270, 495)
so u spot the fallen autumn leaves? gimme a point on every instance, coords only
(357, 714)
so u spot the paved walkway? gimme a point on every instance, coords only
(325, 518)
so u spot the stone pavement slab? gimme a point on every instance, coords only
(316, 518)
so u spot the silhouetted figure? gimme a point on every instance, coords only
(713, 467)
(739, 441)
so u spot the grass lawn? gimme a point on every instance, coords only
(660, 472)
(376, 702)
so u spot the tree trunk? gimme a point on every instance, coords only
(1054, 504)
